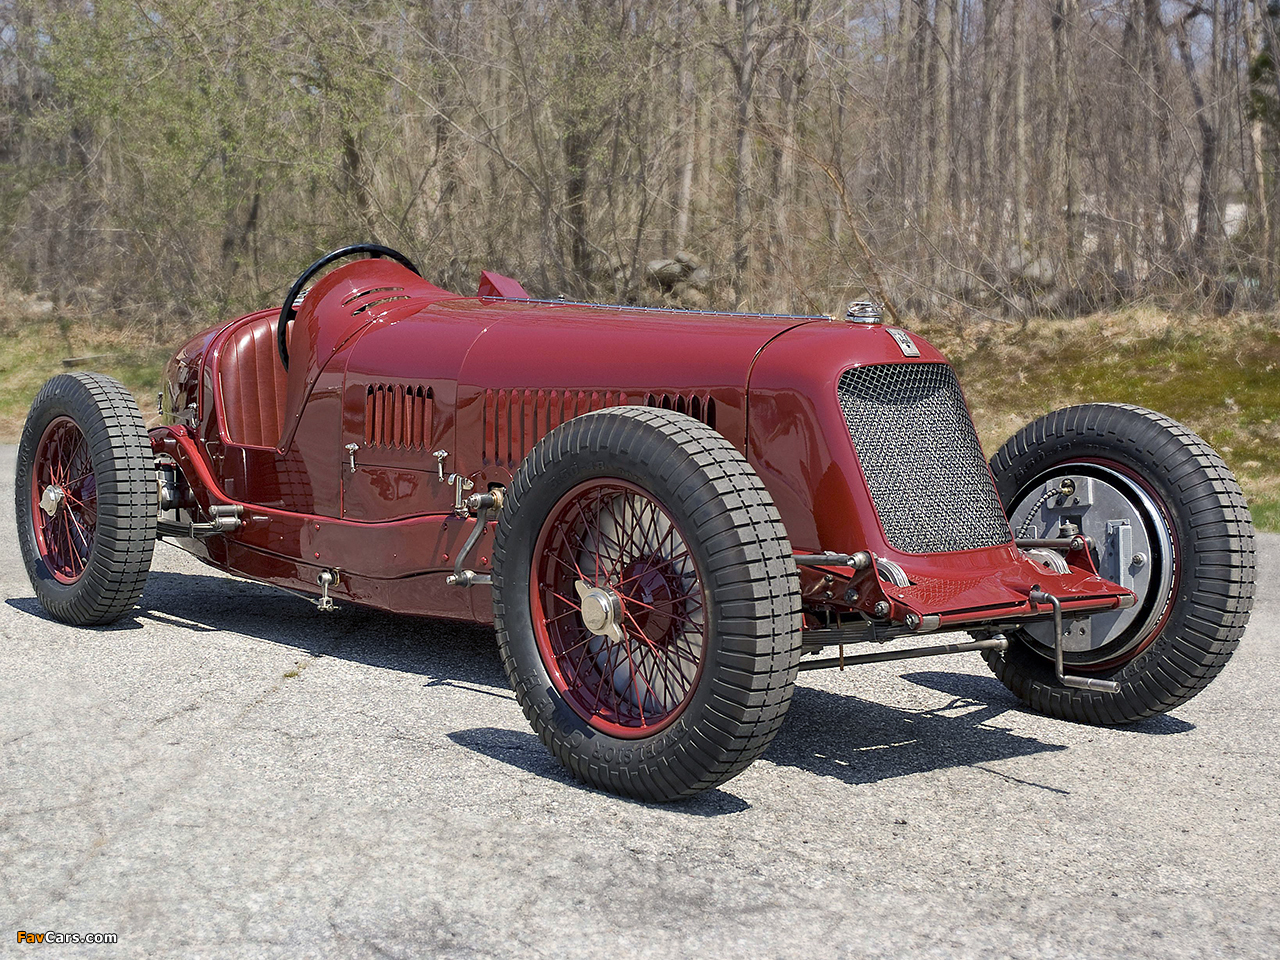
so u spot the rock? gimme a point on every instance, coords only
(688, 260)
(1018, 307)
(694, 299)
(1039, 271)
(87, 295)
(665, 272)
(700, 278)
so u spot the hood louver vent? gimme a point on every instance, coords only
(700, 408)
(398, 416)
(515, 420)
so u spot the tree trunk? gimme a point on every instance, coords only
(742, 153)
(1167, 189)
(1061, 126)
(1018, 47)
(1253, 49)
(688, 142)
(988, 199)
(938, 223)
(1205, 209)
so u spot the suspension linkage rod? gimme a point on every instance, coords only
(859, 561)
(910, 653)
(1066, 679)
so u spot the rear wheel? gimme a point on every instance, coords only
(1167, 520)
(86, 499)
(646, 603)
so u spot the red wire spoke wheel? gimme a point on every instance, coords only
(1167, 520)
(85, 499)
(64, 500)
(646, 602)
(618, 608)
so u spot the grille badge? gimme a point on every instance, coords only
(904, 342)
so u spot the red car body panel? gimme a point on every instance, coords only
(386, 369)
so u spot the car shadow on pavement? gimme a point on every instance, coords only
(525, 751)
(838, 735)
(860, 741)
(962, 685)
(446, 653)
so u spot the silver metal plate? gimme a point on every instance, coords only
(1120, 518)
(904, 342)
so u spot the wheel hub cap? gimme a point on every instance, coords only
(52, 499)
(601, 610)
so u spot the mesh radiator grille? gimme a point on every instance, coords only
(921, 457)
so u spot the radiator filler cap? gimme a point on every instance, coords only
(864, 311)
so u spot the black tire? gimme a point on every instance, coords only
(745, 588)
(1197, 619)
(97, 574)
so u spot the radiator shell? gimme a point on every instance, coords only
(921, 458)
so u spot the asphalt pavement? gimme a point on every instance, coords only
(229, 773)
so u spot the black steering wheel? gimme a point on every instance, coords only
(287, 312)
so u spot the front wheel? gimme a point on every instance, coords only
(1167, 520)
(646, 602)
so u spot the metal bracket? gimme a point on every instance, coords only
(327, 579)
(1120, 547)
(460, 484)
(1077, 683)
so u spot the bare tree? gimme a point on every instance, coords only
(952, 156)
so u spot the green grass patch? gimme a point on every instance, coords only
(1219, 377)
(32, 351)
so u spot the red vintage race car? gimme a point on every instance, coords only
(665, 514)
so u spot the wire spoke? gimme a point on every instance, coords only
(577, 608)
(613, 536)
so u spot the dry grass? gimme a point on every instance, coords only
(1220, 377)
(34, 342)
